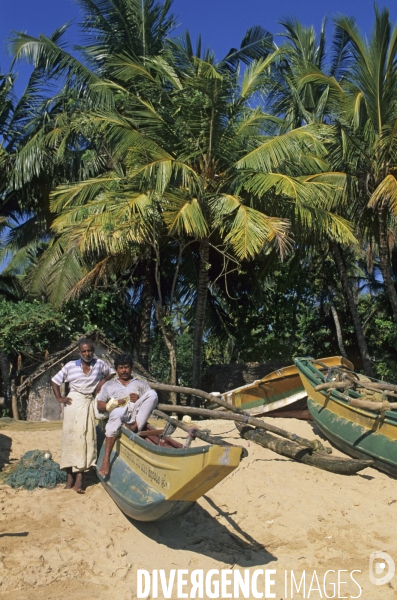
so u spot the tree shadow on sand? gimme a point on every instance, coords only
(198, 531)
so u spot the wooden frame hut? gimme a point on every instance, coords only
(35, 397)
(222, 378)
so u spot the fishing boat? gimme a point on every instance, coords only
(278, 394)
(357, 431)
(155, 478)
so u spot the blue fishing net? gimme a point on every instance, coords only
(34, 470)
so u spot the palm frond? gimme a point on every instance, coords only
(248, 230)
(386, 192)
(256, 43)
(277, 150)
(184, 216)
(256, 74)
(53, 60)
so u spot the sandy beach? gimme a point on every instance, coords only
(270, 513)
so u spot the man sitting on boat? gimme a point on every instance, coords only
(134, 401)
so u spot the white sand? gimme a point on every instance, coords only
(271, 513)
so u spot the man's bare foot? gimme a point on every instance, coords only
(105, 469)
(69, 481)
(78, 486)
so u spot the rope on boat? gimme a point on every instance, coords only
(191, 437)
(168, 430)
(371, 389)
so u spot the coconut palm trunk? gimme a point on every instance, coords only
(338, 329)
(358, 328)
(146, 314)
(201, 303)
(169, 339)
(384, 259)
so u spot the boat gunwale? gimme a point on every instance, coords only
(337, 396)
(279, 375)
(155, 449)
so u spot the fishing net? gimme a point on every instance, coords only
(34, 470)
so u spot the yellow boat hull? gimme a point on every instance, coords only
(151, 482)
(276, 390)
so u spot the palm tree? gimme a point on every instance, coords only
(299, 104)
(47, 148)
(366, 117)
(372, 83)
(306, 90)
(202, 167)
(186, 160)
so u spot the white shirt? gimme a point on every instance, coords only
(117, 390)
(79, 381)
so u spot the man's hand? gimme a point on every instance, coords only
(102, 383)
(64, 400)
(57, 393)
(121, 402)
(134, 397)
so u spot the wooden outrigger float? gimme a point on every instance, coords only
(278, 394)
(361, 428)
(310, 452)
(155, 478)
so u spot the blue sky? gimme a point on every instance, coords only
(221, 22)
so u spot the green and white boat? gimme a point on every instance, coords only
(359, 432)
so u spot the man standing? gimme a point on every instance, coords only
(134, 414)
(85, 376)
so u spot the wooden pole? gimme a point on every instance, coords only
(320, 459)
(150, 432)
(368, 405)
(188, 428)
(374, 387)
(258, 423)
(243, 416)
(14, 400)
(194, 392)
(334, 385)
(351, 383)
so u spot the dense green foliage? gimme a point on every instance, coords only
(30, 327)
(201, 210)
(34, 327)
(108, 311)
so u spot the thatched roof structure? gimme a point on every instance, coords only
(36, 400)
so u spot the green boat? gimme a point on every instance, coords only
(357, 431)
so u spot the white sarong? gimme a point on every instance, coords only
(78, 433)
